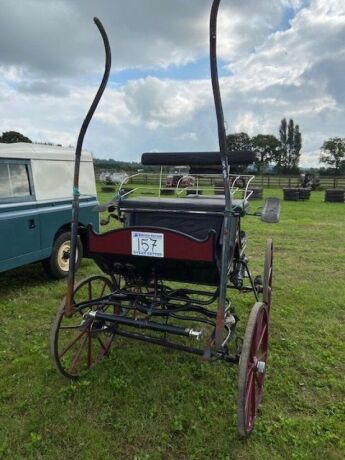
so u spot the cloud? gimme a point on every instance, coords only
(43, 87)
(58, 36)
(280, 59)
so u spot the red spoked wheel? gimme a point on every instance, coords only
(78, 342)
(268, 273)
(252, 368)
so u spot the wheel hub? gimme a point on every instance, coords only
(260, 367)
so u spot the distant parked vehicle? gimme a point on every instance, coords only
(36, 202)
(108, 177)
(310, 181)
(179, 175)
(104, 177)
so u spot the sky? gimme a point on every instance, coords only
(281, 58)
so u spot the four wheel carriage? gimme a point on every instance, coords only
(169, 271)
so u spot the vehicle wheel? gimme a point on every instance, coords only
(252, 368)
(240, 183)
(57, 265)
(268, 273)
(76, 343)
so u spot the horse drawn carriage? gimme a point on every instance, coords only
(168, 270)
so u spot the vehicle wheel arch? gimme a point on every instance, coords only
(82, 233)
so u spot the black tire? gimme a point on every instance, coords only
(335, 195)
(291, 195)
(57, 265)
(335, 199)
(304, 194)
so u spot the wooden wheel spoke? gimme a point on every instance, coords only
(249, 388)
(71, 344)
(69, 327)
(89, 350)
(250, 380)
(261, 338)
(103, 289)
(263, 356)
(106, 348)
(259, 378)
(101, 343)
(254, 401)
(90, 290)
(81, 340)
(77, 355)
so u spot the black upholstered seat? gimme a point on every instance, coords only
(195, 216)
(195, 204)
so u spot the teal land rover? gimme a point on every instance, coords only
(35, 205)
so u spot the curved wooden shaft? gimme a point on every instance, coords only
(228, 235)
(75, 203)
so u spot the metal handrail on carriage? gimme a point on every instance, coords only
(197, 241)
(155, 186)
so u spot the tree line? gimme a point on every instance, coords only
(282, 154)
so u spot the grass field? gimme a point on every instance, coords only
(145, 402)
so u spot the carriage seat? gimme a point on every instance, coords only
(195, 216)
(195, 203)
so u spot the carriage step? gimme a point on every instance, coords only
(271, 210)
(143, 324)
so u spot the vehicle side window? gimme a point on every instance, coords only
(15, 184)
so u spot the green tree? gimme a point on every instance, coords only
(266, 146)
(297, 147)
(281, 154)
(238, 141)
(10, 137)
(287, 157)
(290, 143)
(333, 154)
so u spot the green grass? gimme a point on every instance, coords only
(145, 402)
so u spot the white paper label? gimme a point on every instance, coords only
(147, 244)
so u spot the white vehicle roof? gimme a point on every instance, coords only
(26, 150)
(53, 169)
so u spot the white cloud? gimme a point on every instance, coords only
(51, 58)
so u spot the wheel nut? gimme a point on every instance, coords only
(260, 367)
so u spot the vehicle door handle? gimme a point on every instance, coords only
(31, 223)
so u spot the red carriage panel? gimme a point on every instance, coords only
(176, 246)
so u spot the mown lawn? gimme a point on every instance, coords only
(145, 402)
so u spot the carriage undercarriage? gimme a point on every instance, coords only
(140, 305)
